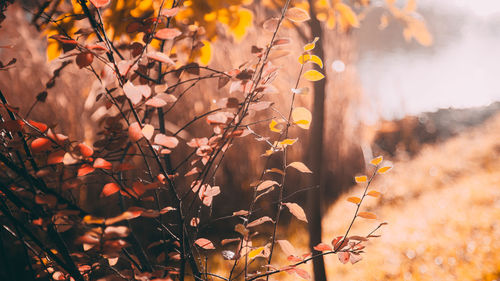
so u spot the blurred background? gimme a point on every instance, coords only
(429, 107)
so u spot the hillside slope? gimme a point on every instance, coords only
(443, 210)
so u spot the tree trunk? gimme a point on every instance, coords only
(316, 153)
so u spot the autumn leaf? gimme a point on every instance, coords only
(384, 170)
(297, 211)
(355, 200)
(99, 3)
(148, 131)
(255, 253)
(311, 58)
(312, 45)
(260, 221)
(40, 144)
(347, 14)
(266, 184)
(361, 179)
(167, 141)
(135, 132)
(302, 117)
(167, 33)
(204, 243)
(85, 150)
(367, 215)
(373, 193)
(297, 15)
(377, 160)
(287, 247)
(313, 75)
(321, 247)
(100, 163)
(109, 189)
(301, 167)
(343, 257)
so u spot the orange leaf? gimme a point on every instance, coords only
(100, 163)
(109, 189)
(56, 157)
(361, 179)
(354, 200)
(85, 150)
(384, 170)
(373, 193)
(85, 169)
(135, 132)
(377, 160)
(40, 144)
(367, 215)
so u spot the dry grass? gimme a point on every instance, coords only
(443, 209)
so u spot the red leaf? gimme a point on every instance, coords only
(85, 150)
(85, 169)
(40, 144)
(322, 247)
(109, 189)
(40, 126)
(135, 132)
(56, 157)
(84, 59)
(343, 257)
(99, 3)
(100, 163)
(302, 273)
(167, 33)
(204, 243)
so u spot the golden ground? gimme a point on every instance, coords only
(443, 210)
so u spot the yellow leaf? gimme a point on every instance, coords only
(367, 215)
(301, 167)
(205, 53)
(88, 219)
(302, 117)
(384, 170)
(297, 15)
(311, 58)
(272, 126)
(377, 160)
(361, 179)
(373, 193)
(355, 200)
(255, 252)
(313, 75)
(347, 14)
(384, 22)
(245, 19)
(286, 142)
(312, 45)
(148, 131)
